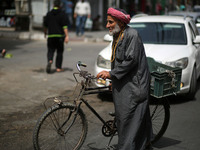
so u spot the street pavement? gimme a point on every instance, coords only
(24, 85)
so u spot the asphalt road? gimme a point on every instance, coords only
(24, 85)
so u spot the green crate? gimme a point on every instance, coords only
(165, 80)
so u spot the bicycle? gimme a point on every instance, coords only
(64, 125)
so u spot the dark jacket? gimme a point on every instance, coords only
(55, 21)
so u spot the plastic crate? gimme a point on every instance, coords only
(165, 80)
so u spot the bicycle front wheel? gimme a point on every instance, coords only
(160, 115)
(60, 128)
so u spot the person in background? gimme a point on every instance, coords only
(158, 8)
(68, 8)
(55, 23)
(82, 11)
(171, 6)
(3, 52)
(182, 7)
(130, 83)
(96, 23)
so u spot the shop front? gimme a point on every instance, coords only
(14, 15)
(7, 15)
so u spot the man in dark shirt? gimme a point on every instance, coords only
(55, 23)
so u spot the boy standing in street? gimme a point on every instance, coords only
(55, 24)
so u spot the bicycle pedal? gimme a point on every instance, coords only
(112, 114)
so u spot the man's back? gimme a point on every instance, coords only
(55, 20)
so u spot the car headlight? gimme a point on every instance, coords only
(103, 63)
(181, 63)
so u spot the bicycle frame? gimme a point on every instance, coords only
(88, 91)
(90, 107)
(72, 105)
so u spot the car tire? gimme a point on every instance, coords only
(193, 85)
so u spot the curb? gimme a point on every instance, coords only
(22, 35)
(40, 36)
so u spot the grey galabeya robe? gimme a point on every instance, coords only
(130, 86)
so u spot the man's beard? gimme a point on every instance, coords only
(115, 30)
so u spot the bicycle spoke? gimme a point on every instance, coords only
(160, 119)
(51, 133)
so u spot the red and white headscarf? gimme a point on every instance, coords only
(121, 15)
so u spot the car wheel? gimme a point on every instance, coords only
(193, 85)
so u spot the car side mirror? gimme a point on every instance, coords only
(108, 38)
(197, 40)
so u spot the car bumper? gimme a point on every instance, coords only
(185, 79)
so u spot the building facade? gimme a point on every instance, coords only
(27, 14)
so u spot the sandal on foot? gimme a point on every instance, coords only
(48, 69)
(59, 70)
(3, 52)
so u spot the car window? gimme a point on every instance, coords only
(161, 33)
(194, 28)
(196, 8)
(191, 32)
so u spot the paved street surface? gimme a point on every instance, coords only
(24, 85)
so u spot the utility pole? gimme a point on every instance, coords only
(30, 19)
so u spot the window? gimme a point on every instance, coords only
(161, 33)
(193, 28)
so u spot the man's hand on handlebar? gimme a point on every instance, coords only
(104, 75)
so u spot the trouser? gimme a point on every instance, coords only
(55, 44)
(80, 24)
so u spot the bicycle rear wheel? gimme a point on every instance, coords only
(160, 115)
(49, 133)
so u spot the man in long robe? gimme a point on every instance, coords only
(130, 83)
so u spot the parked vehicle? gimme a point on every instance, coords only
(194, 15)
(196, 8)
(171, 40)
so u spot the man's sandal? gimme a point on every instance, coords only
(59, 70)
(48, 69)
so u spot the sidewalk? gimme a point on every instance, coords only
(89, 36)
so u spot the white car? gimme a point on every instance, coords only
(197, 8)
(194, 15)
(171, 40)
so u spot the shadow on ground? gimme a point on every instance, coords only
(165, 142)
(43, 70)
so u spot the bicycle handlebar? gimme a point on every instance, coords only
(80, 64)
(87, 75)
(84, 74)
